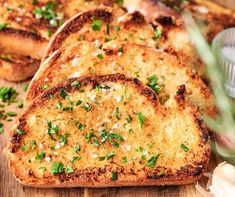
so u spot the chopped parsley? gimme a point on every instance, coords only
(101, 87)
(58, 105)
(40, 156)
(116, 113)
(76, 84)
(129, 119)
(120, 2)
(8, 95)
(69, 169)
(63, 139)
(25, 87)
(139, 149)
(152, 161)
(33, 144)
(63, 94)
(96, 25)
(53, 129)
(152, 83)
(110, 155)
(24, 147)
(3, 26)
(46, 86)
(77, 149)
(117, 28)
(57, 168)
(42, 168)
(160, 174)
(79, 103)
(88, 136)
(114, 176)
(115, 144)
(49, 33)
(141, 119)
(184, 148)
(80, 125)
(11, 113)
(20, 132)
(87, 107)
(48, 12)
(102, 158)
(157, 33)
(75, 159)
(1, 128)
(124, 160)
(100, 56)
(96, 142)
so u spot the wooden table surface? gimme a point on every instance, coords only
(9, 187)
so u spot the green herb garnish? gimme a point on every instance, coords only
(87, 107)
(96, 25)
(53, 129)
(63, 94)
(184, 148)
(3, 26)
(141, 119)
(116, 113)
(124, 160)
(129, 119)
(8, 95)
(63, 139)
(20, 132)
(40, 156)
(152, 83)
(75, 159)
(57, 168)
(114, 176)
(152, 161)
(69, 169)
(11, 113)
(110, 155)
(100, 56)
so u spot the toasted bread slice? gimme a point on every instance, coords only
(107, 131)
(84, 59)
(14, 67)
(106, 26)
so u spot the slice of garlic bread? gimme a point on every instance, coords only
(159, 70)
(106, 26)
(107, 131)
(14, 67)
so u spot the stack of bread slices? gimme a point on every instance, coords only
(106, 108)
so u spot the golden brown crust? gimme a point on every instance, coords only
(96, 176)
(130, 63)
(17, 68)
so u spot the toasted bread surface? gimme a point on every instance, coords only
(95, 132)
(105, 26)
(85, 59)
(14, 67)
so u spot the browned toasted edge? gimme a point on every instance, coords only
(74, 24)
(50, 61)
(18, 69)
(187, 174)
(22, 33)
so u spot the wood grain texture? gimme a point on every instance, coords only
(9, 187)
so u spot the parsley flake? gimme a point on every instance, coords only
(96, 25)
(141, 119)
(152, 161)
(184, 148)
(57, 168)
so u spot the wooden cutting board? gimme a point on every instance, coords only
(9, 187)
